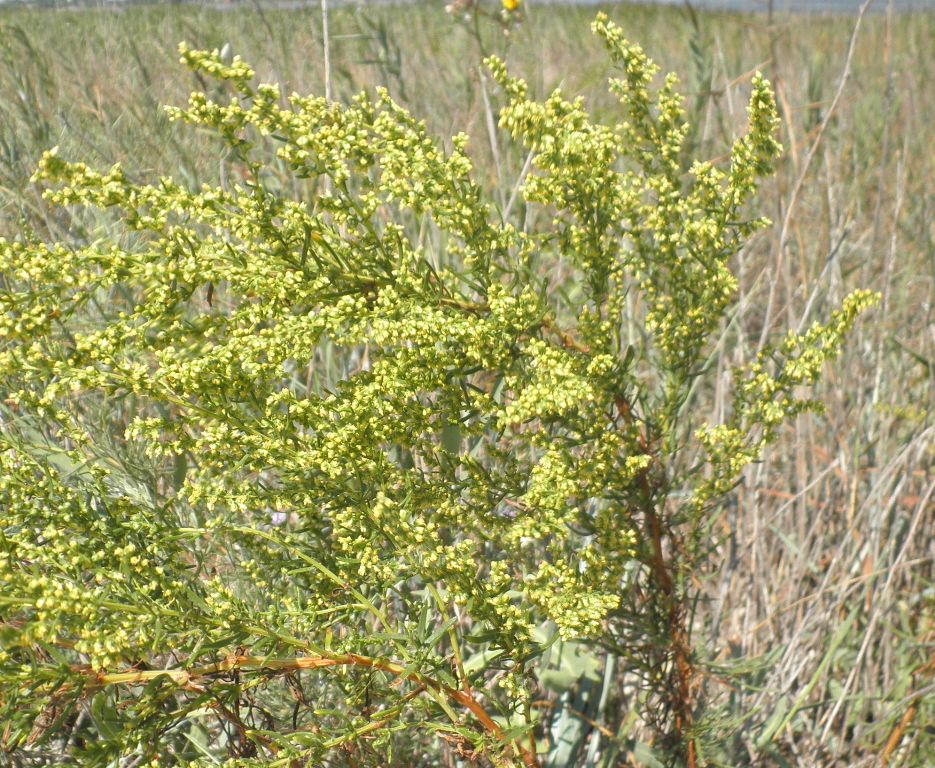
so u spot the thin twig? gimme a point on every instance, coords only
(326, 43)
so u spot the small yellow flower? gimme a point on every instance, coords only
(511, 5)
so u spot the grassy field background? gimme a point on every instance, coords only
(824, 581)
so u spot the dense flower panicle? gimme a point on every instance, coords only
(357, 407)
(765, 400)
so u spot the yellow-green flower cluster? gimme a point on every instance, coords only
(765, 399)
(640, 220)
(81, 565)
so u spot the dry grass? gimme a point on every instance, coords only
(824, 567)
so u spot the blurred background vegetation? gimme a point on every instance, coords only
(821, 596)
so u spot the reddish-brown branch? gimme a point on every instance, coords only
(679, 646)
(896, 735)
(678, 641)
(191, 677)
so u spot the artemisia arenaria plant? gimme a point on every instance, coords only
(372, 468)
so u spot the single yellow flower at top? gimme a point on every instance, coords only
(511, 5)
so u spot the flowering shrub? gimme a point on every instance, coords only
(328, 474)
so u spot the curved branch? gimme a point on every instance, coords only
(191, 678)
